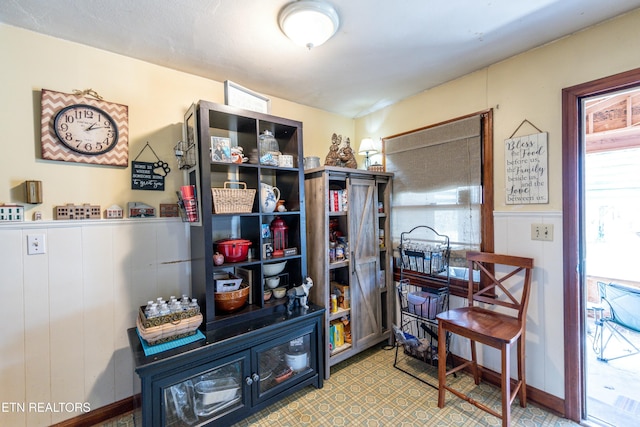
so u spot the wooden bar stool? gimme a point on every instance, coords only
(489, 327)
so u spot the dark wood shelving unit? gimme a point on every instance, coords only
(243, 128)
(252, 357)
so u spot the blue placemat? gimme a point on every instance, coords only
(158, 348)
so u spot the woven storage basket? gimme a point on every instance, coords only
(168, 331)
(233, 200)
(168, 318)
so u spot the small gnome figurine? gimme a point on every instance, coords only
(333, 158)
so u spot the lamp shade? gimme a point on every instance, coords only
(309, 23)
(367, 147)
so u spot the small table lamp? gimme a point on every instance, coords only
(367, 148)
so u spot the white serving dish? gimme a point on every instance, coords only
(274, 269)
(210, 392)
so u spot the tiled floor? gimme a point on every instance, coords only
(367, 391)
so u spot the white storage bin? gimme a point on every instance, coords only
(424, 304)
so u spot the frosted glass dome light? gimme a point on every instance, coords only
(309, 23)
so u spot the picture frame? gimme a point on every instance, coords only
(241, 97)
(267, 250)
(220, 149)
(265, 231)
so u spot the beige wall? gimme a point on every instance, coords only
(528, 86)
(157, 98)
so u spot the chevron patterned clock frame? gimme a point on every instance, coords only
(54, 149)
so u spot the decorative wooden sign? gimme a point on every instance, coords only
(526, 169)
(144, 178)
(148, 176)
(169, 210)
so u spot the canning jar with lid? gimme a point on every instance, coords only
(269, 150)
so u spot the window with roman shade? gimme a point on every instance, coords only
(439, 172)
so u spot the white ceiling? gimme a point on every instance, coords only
(384, 50)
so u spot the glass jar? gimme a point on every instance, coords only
(269, 150)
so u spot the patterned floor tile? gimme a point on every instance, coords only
(366, 390)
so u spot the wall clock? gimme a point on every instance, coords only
(82, 128)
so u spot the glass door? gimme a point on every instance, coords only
(284, 361)
(209, 392)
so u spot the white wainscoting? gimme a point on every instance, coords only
(65, 313)
(545, 319)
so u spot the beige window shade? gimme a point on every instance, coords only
(438, 180)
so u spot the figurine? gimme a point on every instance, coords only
(347, 159)
(237, 155)
(300, 293)
(333, 158)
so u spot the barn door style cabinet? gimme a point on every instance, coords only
(348, 214)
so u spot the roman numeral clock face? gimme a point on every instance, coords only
(86, 129)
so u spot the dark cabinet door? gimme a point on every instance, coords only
(203, 393)
(285, 361)
(237, 371)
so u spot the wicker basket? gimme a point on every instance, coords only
(168, 331)
(174, 318)
(233, 200)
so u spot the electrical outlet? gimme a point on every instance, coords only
(542, 232)
(36, 244)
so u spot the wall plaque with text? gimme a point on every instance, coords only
(526, 167)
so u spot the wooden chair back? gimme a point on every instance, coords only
(491, 290)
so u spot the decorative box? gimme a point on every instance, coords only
(160, 329)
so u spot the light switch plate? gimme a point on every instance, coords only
(36, 244)
(542, 232)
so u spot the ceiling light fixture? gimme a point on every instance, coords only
(309, 23)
